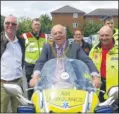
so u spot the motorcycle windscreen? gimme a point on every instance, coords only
(68, 76)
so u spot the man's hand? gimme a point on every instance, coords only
(96, 81)
(34, 80)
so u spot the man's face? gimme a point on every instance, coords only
(110, 23)
(36, 26)
(78, 36)
(59, 35)
(10, 25)
(105, 36)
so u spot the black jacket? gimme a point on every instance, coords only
(4, 42)
(86, 47)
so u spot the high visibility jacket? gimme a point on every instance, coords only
(33, 46)
(111, 64)
(116, 34)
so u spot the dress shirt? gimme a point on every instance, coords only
(11, 61)
(37, 72)
(63, 46)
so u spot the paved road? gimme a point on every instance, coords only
(25, 92)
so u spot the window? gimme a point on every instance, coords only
(75, 15)
(75, 25)
(102, 17)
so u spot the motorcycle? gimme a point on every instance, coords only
(65, 86)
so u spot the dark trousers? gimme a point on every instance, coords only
(29, 72)
(103, 87)
(30, 92)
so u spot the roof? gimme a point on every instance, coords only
(101, 12)
(67, 9)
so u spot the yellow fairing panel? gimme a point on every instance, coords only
(36, 100)
(95, 102)
(64, 100)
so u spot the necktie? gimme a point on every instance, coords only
(59, 51)
(59, 68)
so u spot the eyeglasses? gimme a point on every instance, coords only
(8, 23)
(77, 34)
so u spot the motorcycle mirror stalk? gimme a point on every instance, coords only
(16, 90)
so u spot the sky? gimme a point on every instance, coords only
(34, 9)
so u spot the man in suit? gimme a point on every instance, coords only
(72, 50)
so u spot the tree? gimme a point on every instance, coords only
(69, 33)
(24, 25)
(46, 23)
(2, 22)
(90, 29)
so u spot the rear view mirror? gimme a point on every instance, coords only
(16, 90)
(113, 92)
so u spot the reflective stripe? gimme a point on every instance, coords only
(30, 60)
(28, 49)
(33, 48)
(25, 37)
(32, 43)
(41, 50)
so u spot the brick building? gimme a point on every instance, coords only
(75, 18)
(98, 15)
(68, 16)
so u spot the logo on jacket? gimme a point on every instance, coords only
(96, 56)
(65, 104)
(115, 58)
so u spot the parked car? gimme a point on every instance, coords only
(87, 39)
(71, 40)
(94, 39)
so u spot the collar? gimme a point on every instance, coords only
(63, 46)
(66, 45)
(109, 46)
(99, 45)
(15, 40)
(36, 35)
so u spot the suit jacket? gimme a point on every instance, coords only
(4, 42)
(74, 52)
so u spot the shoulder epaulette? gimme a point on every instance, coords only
(28, 34)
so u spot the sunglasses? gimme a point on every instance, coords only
(8, 23)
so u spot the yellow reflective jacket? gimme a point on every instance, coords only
(111, 64)
(116, 34)
(33, 46)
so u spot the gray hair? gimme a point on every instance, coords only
(17, 21)
(64, 28)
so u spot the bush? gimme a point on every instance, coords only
(69, 33)
(24, 25)
(91, 29)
